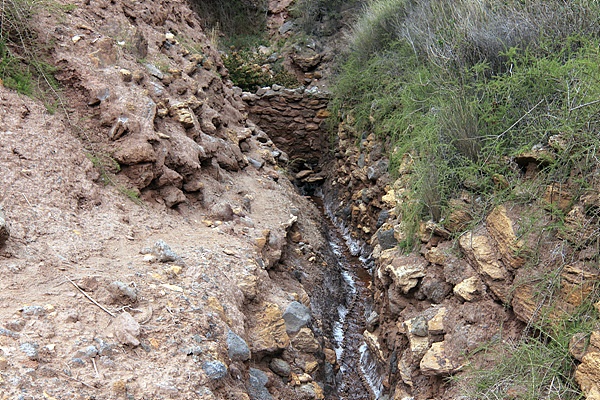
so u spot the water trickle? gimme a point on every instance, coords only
(359, 376)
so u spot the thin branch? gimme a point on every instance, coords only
(584, 105)
(90, 299)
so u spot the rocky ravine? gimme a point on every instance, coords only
(203, 289)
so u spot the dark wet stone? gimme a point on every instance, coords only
(387, 239)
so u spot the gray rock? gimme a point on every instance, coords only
(33, 311)
(419, 326)
(9, 333)
(382, 218)
(286, 27)
(31, 350)
(121, 290)
(154, 71)
(215, 370)
(372, 321)
(306, 392)
(296, 316)
(4, 230)
(256, 163)
(237, 347)
(387, 239)
(163, 252)
(280, 367)
(222, 211)
(87, 352)
(256, 385)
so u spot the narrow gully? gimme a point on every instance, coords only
(358, 377)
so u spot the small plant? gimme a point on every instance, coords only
(249, 70)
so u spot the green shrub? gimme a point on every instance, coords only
(249, 70)
(462, 117)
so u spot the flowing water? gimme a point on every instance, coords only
(358, 377)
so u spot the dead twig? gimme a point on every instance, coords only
(90, 299)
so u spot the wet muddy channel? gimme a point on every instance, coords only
(358, 376)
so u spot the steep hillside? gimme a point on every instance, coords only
(151, 245)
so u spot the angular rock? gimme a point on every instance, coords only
(237, 347)
(374, 346)
(305, 341)
(126, 329)
(163, 252)
(587, 373)
(135, 151)
(435, 325)
(122, 291)
(500, 228)
(296, 316)
(257, 385)
(267, 332)
(418, 344)
(405, 271)
(172, 196)
(479, 250)
(387, 239)
(214, 369)
(469, 289)
(436, 362)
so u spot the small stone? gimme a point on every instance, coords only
(215, 370)
(418, 326)
(257, 385)
(126, 329)
(154, 71)
(33, 311)
(3, 364)
(280, 367)
(30, 349)
(87, 352)
(126, 75)
(578, 345)
(305, 341)
(387, 239)
(122, 291)
(137, 76)
(163, 252)
(237, 347)
(4, 230)
(469, 289)
(296, 316)
(436, 324)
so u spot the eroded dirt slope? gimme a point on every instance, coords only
(190, 282)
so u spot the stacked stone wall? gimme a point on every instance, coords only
(294, 119)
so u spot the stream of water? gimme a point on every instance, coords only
(358, 377)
